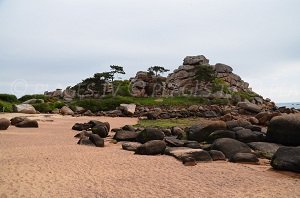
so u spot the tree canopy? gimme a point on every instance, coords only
(157, 69)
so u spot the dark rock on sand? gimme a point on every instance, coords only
(100, 130)
(217, 155)
(182, 153)
(230, 147)
(128, 128)
(83, 134)
(264, 149)
(284, 130)
(131, 146)
(221, 134)
(27, 124)
(16, 120)
(97, 140)
(244, 158)
(200, 134)
(287, 158)
(153, 147)
(81, 127)
(149, 134)
(125, 135)
(85, 141)
(4, 123)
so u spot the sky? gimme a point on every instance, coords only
(49, 44)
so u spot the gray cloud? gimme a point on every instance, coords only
(60, 42)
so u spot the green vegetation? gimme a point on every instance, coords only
(6, 106)
(219, 84)
(168, 123)
(205, 73)
(35, 96)
(157, 70)
(48, 107)
(245, 95)
(8, 98)
(121, 88)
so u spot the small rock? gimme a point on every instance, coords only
(125, 135)
(217, 155)
(4, 124)
(66, 111)
(153, 147)
(244, 158)
(149, 134)
(97, 140)
(131, 146)
(27, 124)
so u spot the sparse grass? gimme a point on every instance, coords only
(167, 123)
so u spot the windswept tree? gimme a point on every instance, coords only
(116, 69)
(157, 70)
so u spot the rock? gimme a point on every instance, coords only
(264, 149)
(200, 134)
(193, 108)
(237, 123)
(221, 134)
(230, 147)
(253, 120)
(94, 123)
(125, 135)
(167, 132)
(222, 68)
(27, 124)
(85, 141)
(16, 120)
(195, 60)
(100, 130)
(149, 134)
(4, 123)
(131, 146)
(217, 155)
(172, 141)
(189, 161)
(153, 147)
(24, 108)
(182, 153)
(284, 130)
(246, 136)
(79, 110)
(177, 131)
(244, 158)
(33, 101)
(210, 114)
(165, 116)
(83, 134)
(88, 113)
(249, 107)
(287, 158)
(81, 127)
(66, 111)
(192, 144)
(97, 140)
(128, 128)
(152, 115)
(55, 111)
(128, 109)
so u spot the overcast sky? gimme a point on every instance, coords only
(48, 44)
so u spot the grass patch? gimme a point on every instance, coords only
(168, 123)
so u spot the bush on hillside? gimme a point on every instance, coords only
(8, 98)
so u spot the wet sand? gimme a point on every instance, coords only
(47, 162)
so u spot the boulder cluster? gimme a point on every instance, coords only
(20, 122)
(237, 141)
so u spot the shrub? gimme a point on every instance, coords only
(48, 107)
(6, 106)
(35, 96)
(8, 98)
(219, 84)
(122, 88)
(205, 73)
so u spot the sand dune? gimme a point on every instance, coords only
(47, 162)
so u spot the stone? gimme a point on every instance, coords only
(172, 141)
(192, 144)
(85, 141)
(284, 130)
(287, 158)
(149, 134)
(200, 134)
(4, 123)
(244, 158)
(182, 153)
(97, 140)
(94, 123)
(66, 111)
(79, 110)
(16, 120)
(264, 149)
(83, 134)
(221, 134)
(81, 127)
(125, 135)
(24, 108)
(253, 120)
(249, 107)
(195, 60)
(34, 101)
(128, 109)
(217, 155)
(88, 113)
(131, 146)
(246, 136)
(189, 161)
(177, 131)
(222, 68)
(167, 132)
(153, 147)
(128, 128)
(230, 147)
(193, 108)
(100, 130)
(27, 124)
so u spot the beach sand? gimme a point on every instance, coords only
(47, 162)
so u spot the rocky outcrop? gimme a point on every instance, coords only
(24, 108)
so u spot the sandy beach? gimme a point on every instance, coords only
(47, 162)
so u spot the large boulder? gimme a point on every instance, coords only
(27, 123)
(244, 158)
(149, 134)
(85, 141)
(287, 158)
(249, 107)
(246, 136)
(100, 130)
(222, 68)
(230, 147)
(97, 140)
(284, 130)
(128, 109)
(153, 147)
(264, 149)
(221, 134)
(125, 135)
(217, 155)
(4, 123)
(195, 60)
(24, 108)
(131, 146)
(200, 134)
(182, 153)
(66, 111)
(16, 120)
(81, 127)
